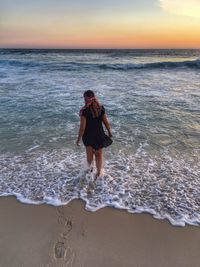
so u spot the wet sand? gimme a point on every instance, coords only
(70, 236)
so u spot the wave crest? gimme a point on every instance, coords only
(59, 66)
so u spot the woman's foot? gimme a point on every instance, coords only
(97, 175)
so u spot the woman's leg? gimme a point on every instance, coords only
(99, 160)
(89, 153)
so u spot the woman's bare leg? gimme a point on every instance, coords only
(99, 160)
(90, 154)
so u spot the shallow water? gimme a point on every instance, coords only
(152, 99)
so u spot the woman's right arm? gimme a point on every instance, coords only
(107, 124)
(81, 129)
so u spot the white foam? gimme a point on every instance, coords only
(164, 187)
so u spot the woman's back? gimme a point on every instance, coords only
(94, 133)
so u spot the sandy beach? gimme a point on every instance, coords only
(44, 235)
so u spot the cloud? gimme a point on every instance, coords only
(182, 7)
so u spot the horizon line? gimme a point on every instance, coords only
(100, 48)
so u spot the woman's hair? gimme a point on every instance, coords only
(95, 107)
(89, 93)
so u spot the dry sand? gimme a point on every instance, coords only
(43, 235)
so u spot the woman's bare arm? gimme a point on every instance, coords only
(81, 129)
(107, 124)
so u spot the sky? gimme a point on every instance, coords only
(100, 24)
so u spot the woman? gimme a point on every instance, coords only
(92, 115)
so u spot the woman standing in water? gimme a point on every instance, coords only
(92, 115)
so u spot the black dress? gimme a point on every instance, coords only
(94, 134)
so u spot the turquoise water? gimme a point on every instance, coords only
(152, 98)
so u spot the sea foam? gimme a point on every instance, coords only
(165, 187)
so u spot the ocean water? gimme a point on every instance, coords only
(152, 99)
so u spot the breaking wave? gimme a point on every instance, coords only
(67, 66)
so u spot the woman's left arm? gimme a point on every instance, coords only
(81, 129)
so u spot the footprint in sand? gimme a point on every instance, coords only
(68, 228)
(63, 254)
(60, 250)
(62, 218)
(60, 210)
(69, 257)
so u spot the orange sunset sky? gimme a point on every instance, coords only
(100, 24)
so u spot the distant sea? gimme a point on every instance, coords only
(152, 99)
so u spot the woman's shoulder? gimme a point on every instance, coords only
(86, 112)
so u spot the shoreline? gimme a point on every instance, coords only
(49, 236)
(138, 210)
